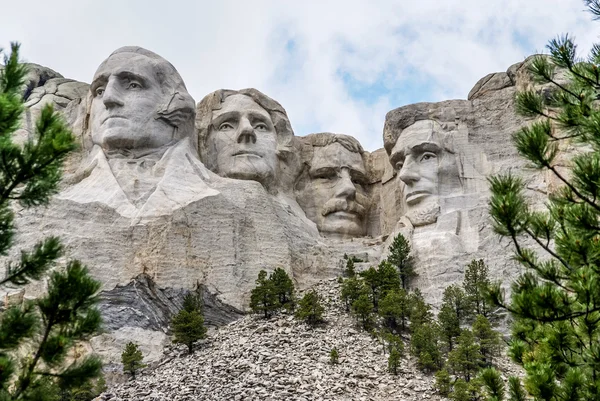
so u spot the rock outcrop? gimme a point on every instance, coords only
(166, 195)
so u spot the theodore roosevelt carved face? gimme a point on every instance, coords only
(332, 191)
(426, 164)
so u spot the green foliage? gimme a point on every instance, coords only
(334, 356)
(310, 309)
(363, 309)
(466, 391)
(188, 323)
(394, 308)
(394, 361)
(401, 259)
(456, 299)
(351, 290)
(443, 382)
(555, 303)
(493, 384)
(424, 345)
(86, 392)
(490, 344)
(465, 359)
(350, 270)
(449, 326)
(420, 311)
(284, 288)
(264, 298)
(132, 359)
(475, 284)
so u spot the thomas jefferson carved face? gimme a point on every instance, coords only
(428, 169)
(334, 197)
(126, 98)
(243, 141)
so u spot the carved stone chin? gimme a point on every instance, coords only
(425, 214)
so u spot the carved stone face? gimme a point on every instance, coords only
(426, 168)
(334, 198)
(243, 140)
(126, 98)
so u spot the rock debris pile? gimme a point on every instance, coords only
(281, 359)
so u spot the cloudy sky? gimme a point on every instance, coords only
(335, 66)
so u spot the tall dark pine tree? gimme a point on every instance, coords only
(50, 326)
(400, 257)
(555, 304)
(264, 298)
(188, 323)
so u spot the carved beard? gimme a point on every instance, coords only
(425, 214)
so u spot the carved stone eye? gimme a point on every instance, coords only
(99, 91)
(225, 127)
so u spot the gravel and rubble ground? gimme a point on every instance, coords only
(281, 359)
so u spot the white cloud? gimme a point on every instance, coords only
(300, 53)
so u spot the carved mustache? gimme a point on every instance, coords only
(342, 205)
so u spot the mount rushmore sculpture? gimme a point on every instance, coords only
(166, 195)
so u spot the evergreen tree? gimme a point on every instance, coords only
(493, 384)
(443, 382)
(449, 326)
(465, 359)
(401, 259)
(132, 359)
(50, 326)
(394, 308)
(489, 340)
(420, 311)
(394, 361)
(284, 288)
(188, 323)
(350, 270)
(363, 308)
(424, 345)
(475, 284)
(554, 303)
(264, 298)
(372, 281)
(334, 356)
(310, 309)
(351, 289)
(456, 299)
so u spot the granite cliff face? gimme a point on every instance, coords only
(166, 195)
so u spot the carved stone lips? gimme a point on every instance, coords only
(113, 116)
(415, 196)
(246, 153)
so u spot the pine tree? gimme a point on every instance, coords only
(132, 359)
(465, 359)
(394, 308)
(334, 356)
(475, 284)
(449, 326)
(188, 323)
(49, 326)
(424, 345)
(401, 259)
(351, 289)
(363, 308)
(264, 298)
(420, 311)
(310, 309)
(394, 361)
(372, 281)
(554, 303)
(284, 288)
(443, 382)
(350, 270)
(489, 340)
(456, 299)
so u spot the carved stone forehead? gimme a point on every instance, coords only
(336, 156)
(240, 104)
(127, 62)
